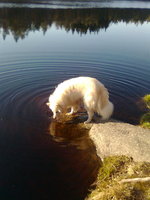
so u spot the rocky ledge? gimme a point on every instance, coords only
(116, 138)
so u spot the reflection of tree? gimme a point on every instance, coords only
(20, 21)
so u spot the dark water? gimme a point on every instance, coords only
(39, 48)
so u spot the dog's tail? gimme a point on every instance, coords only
(104, 106)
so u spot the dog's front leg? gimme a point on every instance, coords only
(54, 115)
(71, 112)
(74, 109)
(90, 115)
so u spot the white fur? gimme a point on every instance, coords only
(81, 90)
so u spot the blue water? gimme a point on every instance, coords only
(118, 57)
(39, 48)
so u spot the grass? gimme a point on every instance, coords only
(145, 119)
(146, 99)
(116, 168)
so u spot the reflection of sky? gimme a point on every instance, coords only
(118, 38)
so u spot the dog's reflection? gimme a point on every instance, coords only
(78, 153)
(71, 134)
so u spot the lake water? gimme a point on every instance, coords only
(77, 3)
(40, 47)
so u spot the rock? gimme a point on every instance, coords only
(116, 138)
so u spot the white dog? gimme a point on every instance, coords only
(71, 93)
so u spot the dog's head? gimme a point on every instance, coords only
(55, 108)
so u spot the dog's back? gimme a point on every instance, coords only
(79, 84)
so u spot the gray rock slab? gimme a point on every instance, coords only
(116, 138)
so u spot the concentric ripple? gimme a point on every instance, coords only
(27, 80)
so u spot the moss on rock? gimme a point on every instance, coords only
(146, 99)
(116, 168)
(145, 119)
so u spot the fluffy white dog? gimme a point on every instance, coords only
(86, 91)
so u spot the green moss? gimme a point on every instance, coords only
(146, 99)
(112, 165)
(145, 119)
(146, 125)
(115, 169)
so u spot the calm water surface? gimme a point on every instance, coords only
(76, 3)
(39, 48)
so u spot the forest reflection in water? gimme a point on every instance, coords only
(21, 21)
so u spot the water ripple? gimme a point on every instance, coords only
(29, 79)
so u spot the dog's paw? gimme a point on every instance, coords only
(68, 114)
(87, 122)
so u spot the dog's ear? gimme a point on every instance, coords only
(48, 104)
